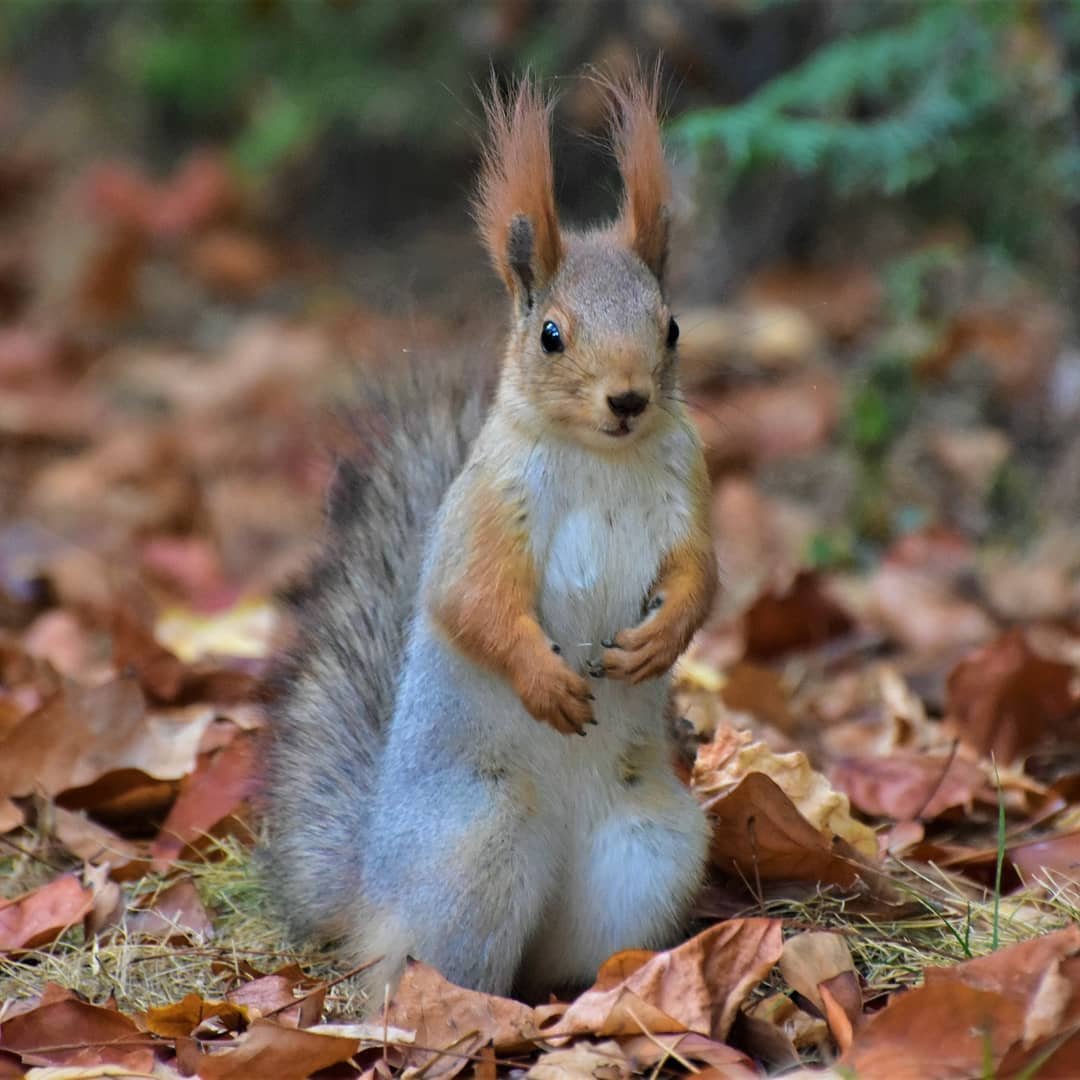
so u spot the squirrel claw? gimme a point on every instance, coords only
(609, 643)
(595, 669)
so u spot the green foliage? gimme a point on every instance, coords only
(953, 102)
(278, 74)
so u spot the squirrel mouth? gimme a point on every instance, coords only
(619, 432)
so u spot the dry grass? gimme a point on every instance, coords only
(141, 972)
(941, 918)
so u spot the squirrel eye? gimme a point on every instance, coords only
(672, 333)
(550, 338)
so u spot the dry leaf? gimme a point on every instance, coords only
(215, 791)
(44, 914)
(799, 617)
(273, 1050)
(82, 733)
(906, 785)
(732, 756)
(453, 1023)
(1004, 698)
(182, 1018)
(175, 914)
(72, 1032)
(696, 987)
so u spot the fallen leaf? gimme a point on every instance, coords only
(799, 617)
(842, 300)
(583, 1061)
(924, 614)
(174, 914)
(1004, 698)
(810, 959)
(272, 1050)
(42, 915)
(964, 1019)
(183, 1017)
(84, 732)
(697, 986)
(452, 1023)
(1058, 856)
(907, 784)
(216, 790)
(72, 1032)
(277, 993)
(790, 419)
(93, 843)
(758, 833)
(761, 692)
(732, 756)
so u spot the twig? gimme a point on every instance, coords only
(323, 987)
(940, 780)
(669, 1051)
(32, 855)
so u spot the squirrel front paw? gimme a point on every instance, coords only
(647, 650)
(555, 695)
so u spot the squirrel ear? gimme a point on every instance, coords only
(644, 220)
(515, 201)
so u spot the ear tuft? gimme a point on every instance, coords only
(515, 201)
(644, 220)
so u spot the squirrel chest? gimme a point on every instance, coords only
(600, 529)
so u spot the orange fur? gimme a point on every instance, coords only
(485, 602)
(516, 177)
(686, 586)
(643, 222)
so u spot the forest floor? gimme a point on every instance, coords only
(881, 716)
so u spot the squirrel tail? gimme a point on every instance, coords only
(332, 696)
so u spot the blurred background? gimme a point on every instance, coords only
(214, 214)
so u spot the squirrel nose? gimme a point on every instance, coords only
(629, 404)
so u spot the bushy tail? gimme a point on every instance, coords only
(332, 696)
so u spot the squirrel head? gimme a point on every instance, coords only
(592, 345)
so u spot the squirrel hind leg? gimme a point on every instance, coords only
(630, 885)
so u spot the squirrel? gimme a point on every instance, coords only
(470, 761)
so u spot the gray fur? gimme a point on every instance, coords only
(333, 695)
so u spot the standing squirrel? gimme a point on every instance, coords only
(493, 588)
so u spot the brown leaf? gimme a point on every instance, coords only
(582, 1061)
(908, 784)
(967, 1017)
(761, 692)
(72, 1032)
(44, 914)
(842, 300)
(759, 834)
(93, 843)
(276, 993)
(453, 1023)
(215, 791)
(647, 1051)
(923, 613)
(233, 261)
(183, 1017)
(934, 1032)
(810, 959)
(732, 755)
(1060, 855)
(273, 1050)
(1004, 698)
(84, 732)
(697, 986)
(800, 617)
(175, 914)
(766, 423)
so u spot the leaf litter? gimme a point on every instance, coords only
(887, 753)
